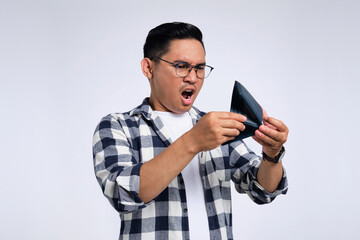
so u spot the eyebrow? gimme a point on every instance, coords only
(182, 61)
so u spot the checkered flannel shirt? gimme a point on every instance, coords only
(123, 142)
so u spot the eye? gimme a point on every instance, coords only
(200, 67)
(183, 65)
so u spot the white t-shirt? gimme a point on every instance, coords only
(177, 125)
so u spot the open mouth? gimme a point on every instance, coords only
(187, 94)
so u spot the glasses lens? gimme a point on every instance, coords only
(183, 69)
(205, 71)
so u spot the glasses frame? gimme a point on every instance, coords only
(196, 67)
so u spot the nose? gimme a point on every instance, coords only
(191, 78)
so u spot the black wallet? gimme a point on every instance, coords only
(242, 102)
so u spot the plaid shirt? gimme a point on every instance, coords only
(123, 142)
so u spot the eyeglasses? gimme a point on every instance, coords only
(183, 69)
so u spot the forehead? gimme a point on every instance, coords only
(189, 50)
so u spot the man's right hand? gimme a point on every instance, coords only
(213, 129)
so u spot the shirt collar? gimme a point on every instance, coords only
(149, 115)
(145, 109)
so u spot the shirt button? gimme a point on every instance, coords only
(185, 210)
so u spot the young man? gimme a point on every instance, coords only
(163, 165)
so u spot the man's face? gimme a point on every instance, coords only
(170, 92)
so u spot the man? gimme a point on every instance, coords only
(164, 165)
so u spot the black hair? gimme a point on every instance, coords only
(159, 38)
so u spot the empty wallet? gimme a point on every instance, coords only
(243, 103)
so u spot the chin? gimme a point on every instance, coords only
(186, 108)
(180, 109)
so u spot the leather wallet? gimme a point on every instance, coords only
(243, 103)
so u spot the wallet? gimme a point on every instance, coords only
(243, 103)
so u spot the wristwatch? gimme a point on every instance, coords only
(276, 159)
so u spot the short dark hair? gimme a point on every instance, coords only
(159, 38)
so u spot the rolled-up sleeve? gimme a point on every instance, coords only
(116, 167)
(244, 167)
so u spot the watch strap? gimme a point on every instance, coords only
(275, 159)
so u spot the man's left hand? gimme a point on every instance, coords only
(271, 135)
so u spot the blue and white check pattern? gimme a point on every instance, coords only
(123, 142)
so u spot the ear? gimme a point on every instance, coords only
(147, 67)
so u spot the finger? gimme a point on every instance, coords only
(278, 124)
(231, 115)
(266, 139)
(266, 123)
(271, 133)
(261, 142)
(226, 138)
(233, 124)
(227, 132)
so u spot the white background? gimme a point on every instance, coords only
(65, 64)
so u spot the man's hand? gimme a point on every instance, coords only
(215, 128)
(272, 135)
(211, 131)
